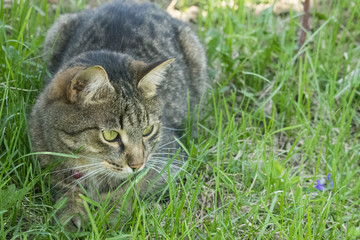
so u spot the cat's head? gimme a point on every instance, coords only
(106, 111)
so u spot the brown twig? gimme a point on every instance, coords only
(305, 24)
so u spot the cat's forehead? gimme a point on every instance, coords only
(125, 113)
(126, 110)
(133, 113)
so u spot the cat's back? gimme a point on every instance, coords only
(127, 25)
(141, 30)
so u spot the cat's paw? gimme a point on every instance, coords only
(76, 221)
(72, 218)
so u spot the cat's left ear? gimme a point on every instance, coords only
(150, 76)
(89, 85)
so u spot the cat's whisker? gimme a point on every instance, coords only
(181, 155)
(165, 161)
(174, 129)
(157, 157)
(109, 176)
(75, 168)
(71, 185)
(165, 165)
(174, 167)
(159, 167)
(101, 179)
(158, 170)
(171, 142)
(174, 148)
(89, 175)
(162, 175)
(182, 166)
(70, 176)
(170, 154)
(82, 179)
(90, 158)
(177, 169)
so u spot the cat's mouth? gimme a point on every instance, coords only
(122, 171)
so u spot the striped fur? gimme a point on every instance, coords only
(112, 70)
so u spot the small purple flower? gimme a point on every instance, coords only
(330, 180)
(323, 184)
(320, 184)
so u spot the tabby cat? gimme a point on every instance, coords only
(122, 77)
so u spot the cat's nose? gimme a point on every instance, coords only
(135, 167)
(134, 156)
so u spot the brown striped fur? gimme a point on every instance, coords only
(114, 70)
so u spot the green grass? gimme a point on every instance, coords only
(273, 125)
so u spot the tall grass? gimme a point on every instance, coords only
(275, 125)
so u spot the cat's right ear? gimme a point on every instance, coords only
(149, 76)
(90, 85)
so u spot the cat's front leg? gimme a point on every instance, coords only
(73, 213)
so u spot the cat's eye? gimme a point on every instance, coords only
(148, 130)
(110, 136)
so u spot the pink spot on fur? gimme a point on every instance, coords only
(77, 175)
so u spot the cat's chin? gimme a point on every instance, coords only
(125, 173)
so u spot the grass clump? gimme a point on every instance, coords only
(277, 150)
